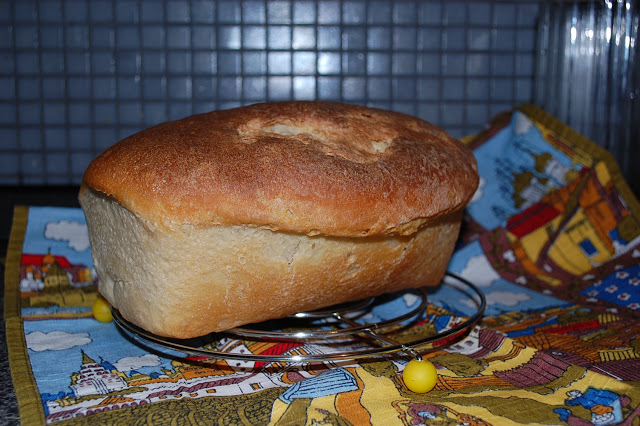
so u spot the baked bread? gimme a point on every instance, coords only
(254, 213)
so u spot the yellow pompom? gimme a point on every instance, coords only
(420, 376)
(102, 310)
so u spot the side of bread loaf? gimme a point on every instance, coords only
(191, 280)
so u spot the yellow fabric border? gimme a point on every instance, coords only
(574, 137)
(29, 403)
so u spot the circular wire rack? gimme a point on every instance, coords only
(340, 332)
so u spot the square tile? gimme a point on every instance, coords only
(80, 137)
(329, 12)
(380, 12)
(129, 113)
(54, 113)
(77, 63)
(504, 14)
(280, 88)
(480, 13)
(254, 88)
(229, 88)
(7, 89)
(379, 63)
(379, 38)
(229, 37)
(179, 62)
(304, 12)
(203, 12)
(405, 38)
(104, 114)
(254, 37)
(51, 37)
(254, 12)
(153, 37)
(129, 87)
(354, 63)
(179, 87)
(329, 63)
(428, 89)
(279, 62)
(29, 113)
(354, 38)
(354, 89)
(178, 12)
(179, 37)
(128, 62)
(28, 88)
(50, 11)
(405, 13)
(403, 88)
(279, 12)
(203, 37)
(55, 139)
(77, 37)
(453, 89)
(329, 38)
(279, 37)
(26, 37)
(102, 37)
(154, 113)
(154, 62)
(304, 63)
(354, 12)
(31, 139)
(205, 62)
(53, 88)
(229, 63)
(404, 63)
(303, 38)
(430, 14)
(378, 88)
(154, 88)
(454, 39)
(152, 13)
(254, 63)
(304, 88)
(104, 88)
(205, 88)
(101, 10)
(229, 12)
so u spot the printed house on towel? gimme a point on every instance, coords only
(570, 230)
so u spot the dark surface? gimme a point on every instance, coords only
(10, 197)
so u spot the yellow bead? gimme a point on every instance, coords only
(420, 376)
(102, 310)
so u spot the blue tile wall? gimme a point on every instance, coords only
(77, 75)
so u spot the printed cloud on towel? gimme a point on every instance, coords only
(479, 271)
(500, 297)
(55, 340)
(75, 233)
(137, 362)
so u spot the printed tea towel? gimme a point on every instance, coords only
(551, 238)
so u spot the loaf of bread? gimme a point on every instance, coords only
(244, 215)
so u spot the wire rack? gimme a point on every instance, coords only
(78, 75)
(348, 331)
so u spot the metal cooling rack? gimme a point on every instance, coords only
(337, 333)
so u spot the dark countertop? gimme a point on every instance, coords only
(10, 197)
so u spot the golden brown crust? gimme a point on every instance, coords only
(306, 167)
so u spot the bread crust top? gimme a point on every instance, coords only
(302, 166)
